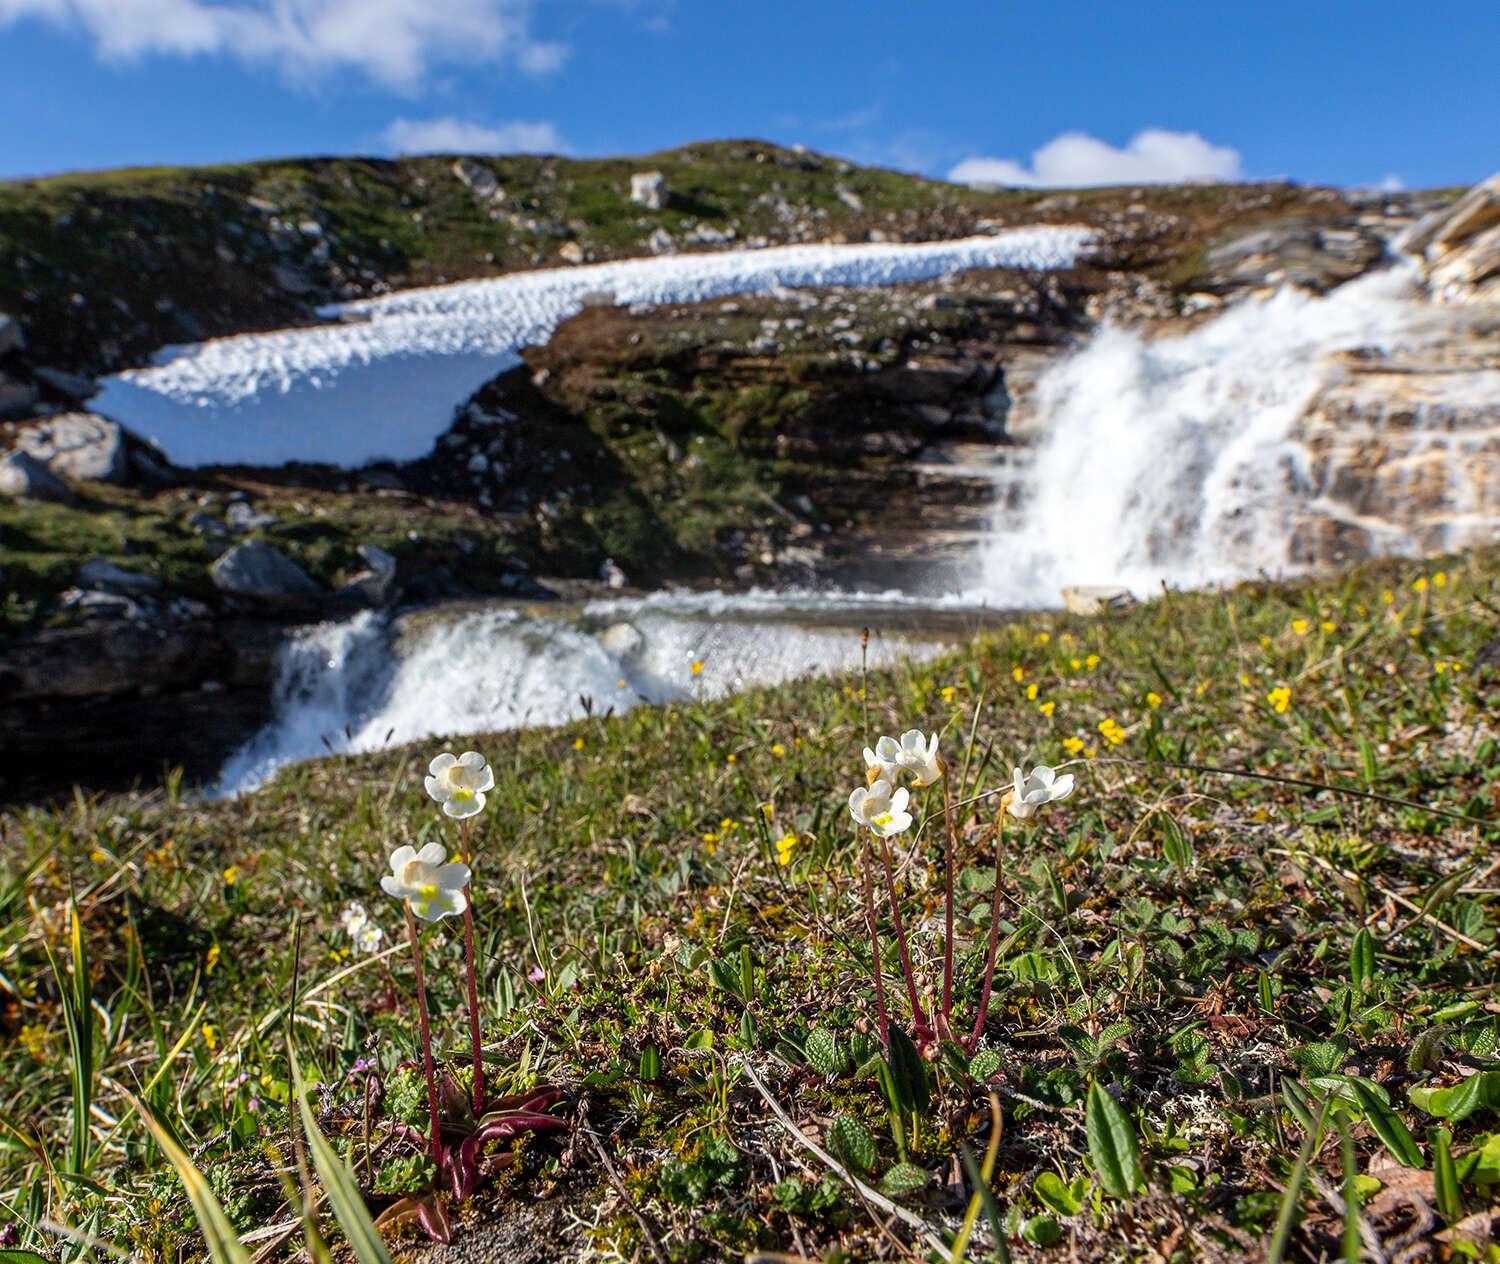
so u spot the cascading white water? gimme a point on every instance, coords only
(1174, 459)
(364, 684)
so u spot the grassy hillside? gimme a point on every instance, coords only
(104, 267)
(1264, 925)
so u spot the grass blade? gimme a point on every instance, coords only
(224, 1246)
(1289, 1200)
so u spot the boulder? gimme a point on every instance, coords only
(1095, 598)
(99, 572)
(623, 640)
(292, 280)
(205, 524)
(611, 574)
(22, 475)
(479, 179)
(660, 242)
(255, 569)
(11, 337)
(570, 252)
(78, 445)
(1461, 245)
(649, 189)
(376, 585)
(72, 386)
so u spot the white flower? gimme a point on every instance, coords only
(459, 783)
(1041, 787)
(354, 917)
(435, 889)
(915, 754)
(368, 937)
(878, 768)
(880, 809)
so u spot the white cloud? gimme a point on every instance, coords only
(393, 41)
(1077, 160)
(456, 136)
(1392, 184)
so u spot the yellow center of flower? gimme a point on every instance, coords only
(427, 894)
(883, 819)
(462, 796)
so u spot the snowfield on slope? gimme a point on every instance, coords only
(383, 382)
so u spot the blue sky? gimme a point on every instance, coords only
(1062, 93)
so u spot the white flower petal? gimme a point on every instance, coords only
(887, 750)
(438, 788)
(1063, 786)
(441, 764)
(900, 799)
(402, 857)
(454, 875)
(393, 886)
(432, 854)
(472, 759)
(461, 809)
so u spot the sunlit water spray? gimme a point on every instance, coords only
(367, 683)
(1178, 459)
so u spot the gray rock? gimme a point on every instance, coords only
(660, 242)
(207, 525)
(378, 479)
(255, 569)
(22, 475)
(73, 386)
(649, 189)
(11, 337)
(98, 604)
(291, 280)
(99, 572)
(78, 445)
(570, 252)
(375, 586)
(480, 179)
(849, 198)
(17, 398)
(244, 518)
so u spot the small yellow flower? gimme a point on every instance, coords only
(578, 743)
(1244, 679)
(99, 857)
(1299, 626)
(1047, 708)
(1090, 752)
(231, 875)
(1091, 662)
(697, 666)
(1112, 732)
(1265, 642)
(728, 826)
(1388, 597)
(1072, 745)
(710, 838)
(785, 845)
(1153, 700)
(1202, 688)
(1328, 625)
(34, 1040)
(1420, 584)
(1076, 664)
(1280, 698)
(212, 959)
(1031, 692)
(1439, 579)
(948, 691)
(778, 750)
(1018, 672)
(620, 684)
(768, 810)
(210, 1036)
(730, 758)
(1041, 638)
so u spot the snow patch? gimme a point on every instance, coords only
(383, 382)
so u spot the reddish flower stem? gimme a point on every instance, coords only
(950, 845)
(875, 967)
(432, 1097)
(473, 979)
(911, 984)
(989, 967)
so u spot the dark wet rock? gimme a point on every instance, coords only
(99, 572)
